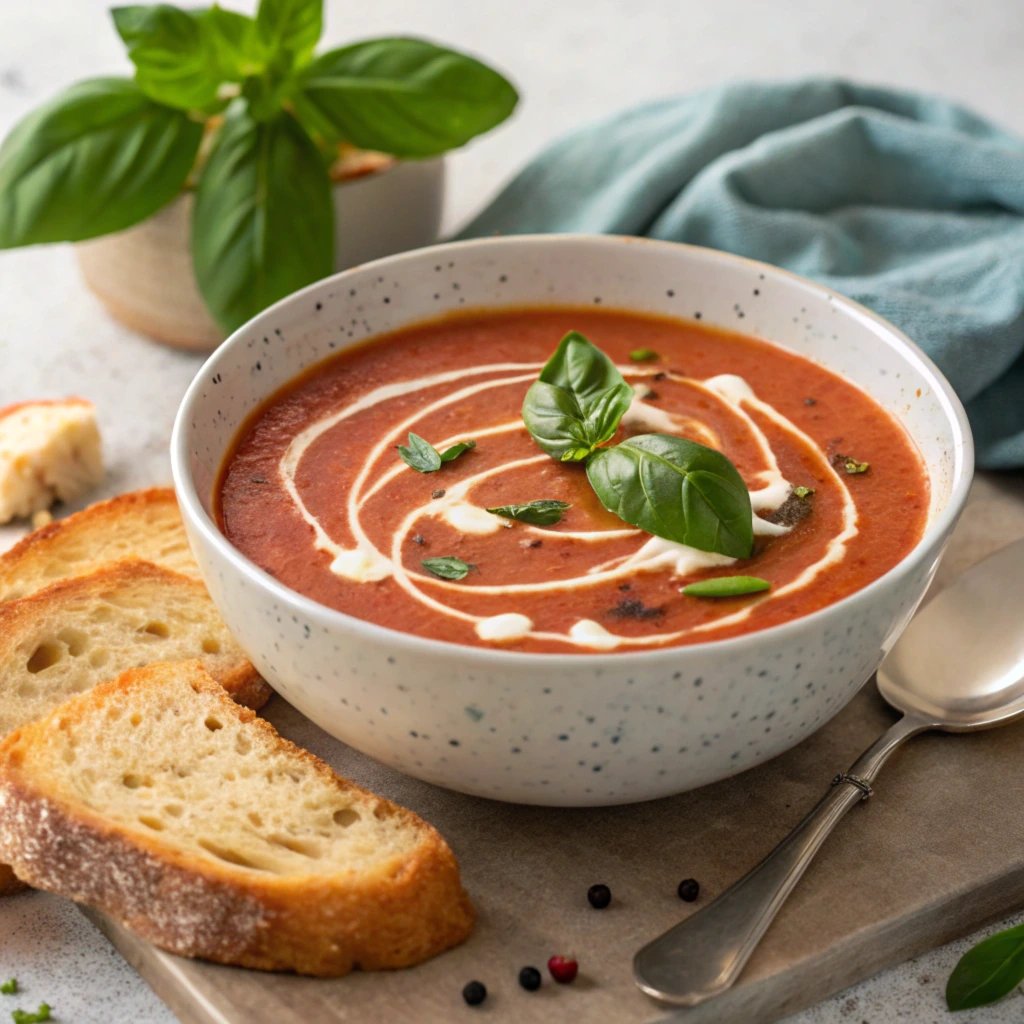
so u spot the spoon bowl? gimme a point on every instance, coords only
(960, 663)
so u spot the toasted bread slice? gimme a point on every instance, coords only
(159, 801)
(142, 524)
(75, 634)
(49, 451)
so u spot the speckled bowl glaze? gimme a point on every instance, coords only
(565, 729)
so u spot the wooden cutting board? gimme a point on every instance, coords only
(936, 853)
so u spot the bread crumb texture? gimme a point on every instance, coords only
(49, 451)
(160, 801)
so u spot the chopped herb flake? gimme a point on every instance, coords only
(24, 1017)
(544, 512)
(802, 492)
(8, 988)
(726, 586)
(633, 608)
(853, 466)
(643, 355)
(447, 567)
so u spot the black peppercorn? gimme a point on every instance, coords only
(600, 896)
(529, 978)
(475, 992)
(689, 889)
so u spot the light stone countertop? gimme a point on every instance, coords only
(573, 61)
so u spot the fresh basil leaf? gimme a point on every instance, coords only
(293, 25)
(987, 972)
(420, 455)
(727, 586)
(544, 512)
(173, 53)
(239, 50)
(643, 355)
(266, 92)
(577, 401)
(676, 489)
(263, 222)
(447, 567)
(456, 450)
(99, 157)
(401, 96)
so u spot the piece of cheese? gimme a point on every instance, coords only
(49, 451)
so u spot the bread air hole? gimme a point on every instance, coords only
(254, 819)
(242, 743)
(213, 724)
(28, 690)
(175, 810)
(345, 817)
(150, 822)
(211, 646)
(158, 629)
(99, 657)
(228, 855)
(45, 656)
(132, 781)
(303, 847)
(75, 640)
(136, 718)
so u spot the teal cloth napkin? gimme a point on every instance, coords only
(909, 204)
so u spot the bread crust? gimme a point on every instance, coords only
(99, 519)
(240, 679)
(409, 909)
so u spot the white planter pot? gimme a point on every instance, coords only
(144, 275)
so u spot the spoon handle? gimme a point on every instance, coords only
(704, 955)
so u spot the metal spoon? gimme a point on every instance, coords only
(959, 666)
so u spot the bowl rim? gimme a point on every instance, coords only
(410, 643)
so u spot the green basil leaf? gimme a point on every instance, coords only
(293, 25)
(577, 401)
(544, 512)
(676, 489)
(447, 567)
(173, 53)
(240, 51)
(263, 222)
(420, 455)
(727, 586)
(989, 971)
(456, 450)
(401, 96)
(99, 157)
(266, 92)
(10, 987)
(25, 1017)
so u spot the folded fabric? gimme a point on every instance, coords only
(909, 204)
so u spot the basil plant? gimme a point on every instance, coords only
(242, 109)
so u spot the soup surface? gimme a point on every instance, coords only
(315, 491)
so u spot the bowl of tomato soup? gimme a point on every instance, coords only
(569, 520)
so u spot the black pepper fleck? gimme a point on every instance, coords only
(418, 539)
(439, 493)
(632, 608)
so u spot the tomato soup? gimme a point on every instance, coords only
(316, 493)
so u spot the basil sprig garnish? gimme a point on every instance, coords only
(668, 486)
(545, 512)
(577, 401)
(425, 458)
(988, 971)
(676, 489)
(447, 567)
(727, 586)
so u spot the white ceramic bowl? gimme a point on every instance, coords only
(565, 729)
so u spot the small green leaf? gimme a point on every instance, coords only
(727, 586)
(420, 455)
(293, 25)
(447, 567)
(643, 355)
(39, 1017)
(456, 450)
(173, 53)
(240, 52)
(263, 221)
(987, 972)
(100, 157)
(545, 512)
(676, 489)
(401, 96)
(8, 988)
(577, 402)
(803, 492)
